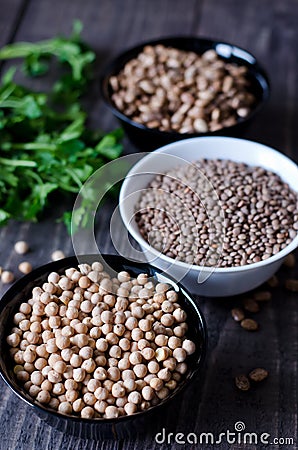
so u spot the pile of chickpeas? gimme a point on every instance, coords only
(93, 346)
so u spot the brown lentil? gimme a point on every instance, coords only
(178, 212)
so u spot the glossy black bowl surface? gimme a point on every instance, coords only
(148, 139)
(96, 428)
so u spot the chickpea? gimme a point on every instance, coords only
(100, 374)
(128, 374)
(65, 408)
(51, 309)
(21, 247)
(138, 312)
(62, 342)
(111, 412)
(162, 353)
(170, 363)
(25, 267)
(134, 397)
(113, 373)
(130, 408)
(54, 377)
(87, 412)
(164, 374)
(89, 399)
(147, 393)
(123, 364)
(167, 320)
(79, 374)
(13, 340)
(34, 390)
(181, 368)
(78, 405)
(142, 279)
(118, 390)
(179, 354)
(100, 406)
(46, 385)
(171, 384)
(137, 334)
(89, 365)
(29, 367)
(75, 360)
(135, 357)
(189, 346)
(58, 389)
(60, 367)
(71, 384)
(156, 384)
(22, 376)
(172, 296)
(179, 315)
(19, 356)
(7, 277)
(140, 370)
(153, 367)
(121, 401)
(71, 396)
(130, 384)
(162, 393)
(102, 344)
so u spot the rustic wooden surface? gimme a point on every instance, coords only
(269, 30)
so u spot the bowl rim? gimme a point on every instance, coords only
(183, 265)
(259, 74)
(111, 259)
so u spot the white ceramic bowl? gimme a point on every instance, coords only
(207, 281)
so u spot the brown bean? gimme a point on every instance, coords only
(291, 285)
(249, 324)
(251, 305)
(242, 382)
(237, 314)
(258, 374)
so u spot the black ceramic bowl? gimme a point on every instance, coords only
(95, 428)
(149, 138)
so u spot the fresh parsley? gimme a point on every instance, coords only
(45, 145)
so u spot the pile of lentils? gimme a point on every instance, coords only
(248, 216)
(177, 90)
(90, 345)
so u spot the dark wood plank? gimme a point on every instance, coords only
(10, 17)
(268, 29)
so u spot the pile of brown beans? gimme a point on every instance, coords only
(245, 216)
(90, 345)
(177, 90)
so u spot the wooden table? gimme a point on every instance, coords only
(269, 30)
